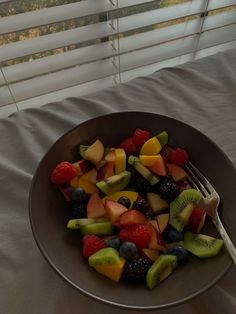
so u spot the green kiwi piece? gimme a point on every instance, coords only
(82, 150)
(77, 223)
(202, 245)
(160, 270)
(181, 208)
(145, 172)
(104, 256)
(114, 183)
(163, 138)
(100, 228)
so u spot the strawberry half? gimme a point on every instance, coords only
(140, 137)
(128, 146)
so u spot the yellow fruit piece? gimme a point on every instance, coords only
(149, 160)
(89, 187)
(120, 161)
(74, 182)
(90, 176)
(95, 152)
(151, 147)
(114, 197)
(113, 272)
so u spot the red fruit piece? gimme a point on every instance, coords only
(166, 153)
(179, 157)
(197, 220)
(92, 244)
(140, 137)
(138, 234)
(128, 146)
(132, 217)
(63, 173)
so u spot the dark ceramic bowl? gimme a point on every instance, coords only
(62, 248)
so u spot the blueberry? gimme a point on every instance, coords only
(78, 210)
(128, 250)
(173, 236)
(125, 201)
(114, 243)
(79, 195)
(180, 253)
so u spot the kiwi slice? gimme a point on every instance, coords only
(181, 208)
(77, 223)
(163, 138)
(100, 228)
(145, 172)
(160, 270)
(104, 256)
(82, 150)
(202, 245)
(114, 183)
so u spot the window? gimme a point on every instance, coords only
(53, 49)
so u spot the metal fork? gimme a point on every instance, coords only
(210, 201)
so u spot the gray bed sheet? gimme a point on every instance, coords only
(201, 93)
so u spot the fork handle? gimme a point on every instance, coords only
(228, 243)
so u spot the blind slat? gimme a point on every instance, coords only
(216, 4)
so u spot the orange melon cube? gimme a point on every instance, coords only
(112, 271)
(89, 187)
(120, 161)
(148, 161)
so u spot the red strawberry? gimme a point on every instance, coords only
(179, 157)
(140, 137)
(128, 145)
(138, 234)
(63, 173)
(92, 244)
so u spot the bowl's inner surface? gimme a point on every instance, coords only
(62, 248)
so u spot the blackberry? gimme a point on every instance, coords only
(141, 205)
(135, 270)
(78, 210)
(142, 186)
(125, 201)
(168, 190)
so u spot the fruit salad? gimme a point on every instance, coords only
(132, 205)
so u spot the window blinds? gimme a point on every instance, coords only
(53, 49)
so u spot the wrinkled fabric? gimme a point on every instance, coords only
(201, 93)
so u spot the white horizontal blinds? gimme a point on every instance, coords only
(69, 48)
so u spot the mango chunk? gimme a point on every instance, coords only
(149, 160)
(113, 272)
(89, 187)
(120, 161)
(115, 196)
(151, 147)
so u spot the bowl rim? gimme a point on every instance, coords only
(70, 282)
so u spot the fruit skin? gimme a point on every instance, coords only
(95, 152)
(156, 241)
(163, 138)
(104, 256)
(92, 244)
(77, 223)
(82, 166)
(145, 172)
(105, 171)
(128, 250)
(115, 183)
(128, 146)
(64, 172)
(135, 270)
(196, 220)
(140, 137)
(157, 204)
(151, 147)
(100, 228)
(95, 207)
(114, 210)
(160, 270)
(201, 245)
(168, 190)
(159, 166)
(138, 234)
(125, 201)
(177, 173)
(114, 243)
(132, 217)
(112, 271)
(181, 208)
(179, 157)
(181, 254)
(79, 195)
(66, 192)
